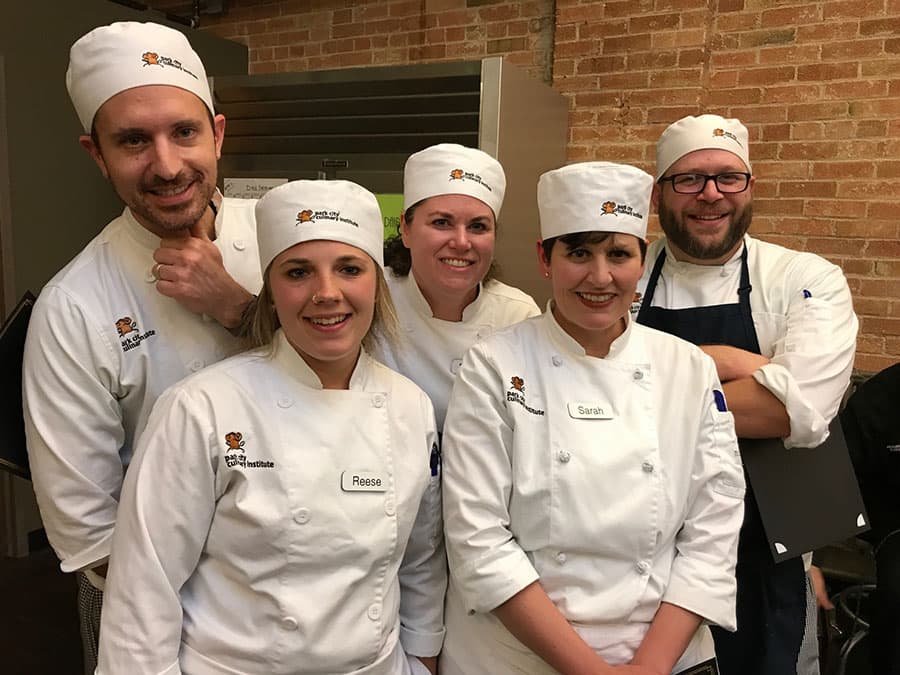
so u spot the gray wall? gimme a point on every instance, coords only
(55, 200)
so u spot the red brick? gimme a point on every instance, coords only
(733, 59)
(828, 71)
(794, 93)
(851, 49)
(679, 38)
(589, 31)
(735, 96)
(835, 208)
(674, 78)
(628, 43)
(760, 114)
(869, 188)
(873, 363)
(762, 76)
(651, 60)
(729, 5)
(806, 189)
(880, 325)
(788, 16)
(847, 9)
(796, 54)
(824, 32)
(772, 170)
(818, 111)
(733, 22)
(843, 170)
(778, 206)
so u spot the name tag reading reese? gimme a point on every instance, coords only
(583, 410)
(362, 481)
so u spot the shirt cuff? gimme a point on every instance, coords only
(488, 583)
(419, 643)
(808, 428)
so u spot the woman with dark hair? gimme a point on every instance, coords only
(593, 490)
(281, 515)
(439, 266)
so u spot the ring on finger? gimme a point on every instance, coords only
(155, 271)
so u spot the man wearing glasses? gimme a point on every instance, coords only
(779, 325)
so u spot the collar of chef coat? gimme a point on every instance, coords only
(725, 268)
(420, 304)
(565, 342)
(292, 364)
(149, 240)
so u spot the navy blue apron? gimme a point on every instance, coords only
(771, 598)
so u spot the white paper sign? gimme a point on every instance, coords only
(250, 188)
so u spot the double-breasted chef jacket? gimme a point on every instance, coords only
(102, 345)
(615, 482)
(431, 350)
(270, 526)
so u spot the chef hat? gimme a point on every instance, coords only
(113, 58)
(451, 169)
(594, 196)
(701, 133)
(305, 210)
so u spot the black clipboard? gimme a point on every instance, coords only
(13, 455)
(808, 497)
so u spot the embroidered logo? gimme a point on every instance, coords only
(721, 133)
(235, 455)
(125, 325)
(154, 59)
(127, 329)
(461, 174)
(516, 394)
(307, 216)
(612, 209)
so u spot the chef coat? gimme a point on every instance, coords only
(102, 345)
(803, 314)
(430, 350)
(268, 525)
(616, 482)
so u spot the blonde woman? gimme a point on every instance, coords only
(280, 515)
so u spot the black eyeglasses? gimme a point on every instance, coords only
(694, 183)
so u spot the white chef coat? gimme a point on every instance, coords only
(803, 314)
(243, 546)
(430, 350)
(102, 344)
(616, 482)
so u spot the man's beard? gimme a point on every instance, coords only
(678, 235)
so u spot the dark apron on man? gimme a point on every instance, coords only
(771, 598)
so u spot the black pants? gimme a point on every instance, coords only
(771, 607)
(884, 633)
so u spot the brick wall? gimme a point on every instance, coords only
(817, 83)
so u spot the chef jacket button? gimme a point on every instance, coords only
(196, 365)
(455, 365)
(564, 456)
(378, 400)
(374, 612)
(289, 623)
(239, 244)
(285, 402)
(638, 375)
(561, 558)
(647, 466)
(302, 516)
(557, 360)
(643, 567)
(389, 507)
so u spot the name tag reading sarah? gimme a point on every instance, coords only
(583, 410)
(362, 481)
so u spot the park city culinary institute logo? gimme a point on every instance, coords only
(613, 209)
(636, 304)
(235, 456)
(306, 216)
(460, 174)
(154, 59)
(130, 336)
(721, 133)
(516, 394)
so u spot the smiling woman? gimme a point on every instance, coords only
(291, 487)
(440, 266)
(592, 486)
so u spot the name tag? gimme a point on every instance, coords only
(362, 481)
(583, 410)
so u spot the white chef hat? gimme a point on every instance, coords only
(113, 58)
(305, 210)
(703, 132)
(452, 169)
(594, 196)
